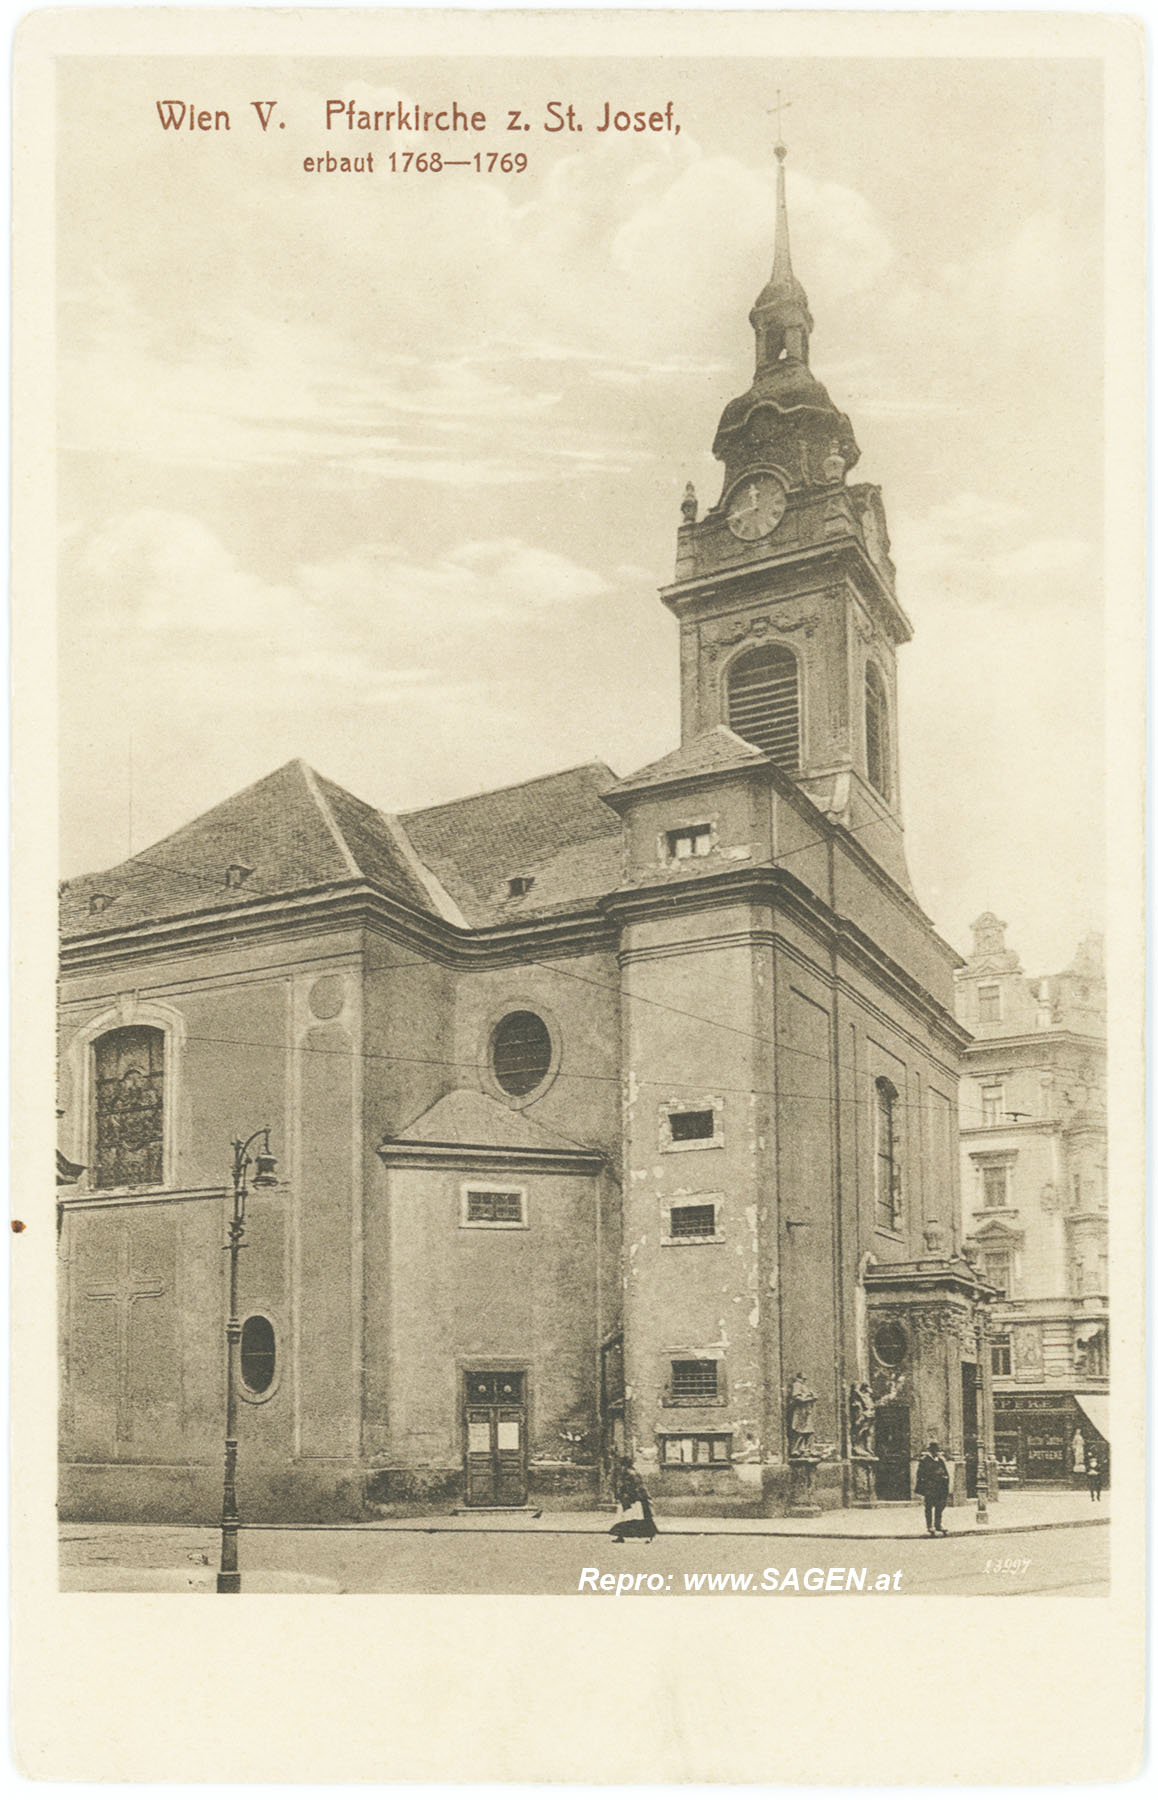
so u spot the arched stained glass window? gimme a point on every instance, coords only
(764, 703)
(876, 729)
(888, 1163)
(129, 1123)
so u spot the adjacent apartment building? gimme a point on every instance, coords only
(1034, 1198)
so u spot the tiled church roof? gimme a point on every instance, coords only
(555, 830)
(709, 754)
(294, 830)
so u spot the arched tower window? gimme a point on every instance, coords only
(876, 729)
(764, 703)
(129, 1108)
(888, 1162)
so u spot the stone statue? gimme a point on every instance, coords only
(934, 1238)
(834, 464)
(801, 1430)
(863, 1419)
(1079, 1453)
(689, 505)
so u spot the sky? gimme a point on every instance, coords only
(384, 470)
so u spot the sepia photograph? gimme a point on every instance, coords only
(582, 636)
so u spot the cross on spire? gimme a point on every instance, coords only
(780, 109)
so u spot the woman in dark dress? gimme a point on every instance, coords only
(629, 1491)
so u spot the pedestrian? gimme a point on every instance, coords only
(1094, 1473)
(933, 1485)
(630, 1492)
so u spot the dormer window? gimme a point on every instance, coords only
(689, 840)
(98, 902)
(236, 875)
(518, 885)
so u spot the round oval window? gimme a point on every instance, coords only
(521, 1053)
(258, 1354)
(890, 1344)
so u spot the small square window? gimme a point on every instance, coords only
(989, 1003)
(692, 1127)
(693, 1221)
(493, 1206)
(689, 840)
(694, 1381)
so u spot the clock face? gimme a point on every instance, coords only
(756, 507)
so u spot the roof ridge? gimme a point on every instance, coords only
(446, 905)
(312, 779)
(510, 788)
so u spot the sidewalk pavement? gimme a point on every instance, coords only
(83, 1542)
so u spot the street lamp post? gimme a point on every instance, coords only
(228, 1576)
(982, 1320)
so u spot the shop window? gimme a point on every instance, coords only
(694, 1382)
(258, 1354)
(1001, 1355)
(521, 1053)
(698, 1221)
(703, 1449)
(129, 1123)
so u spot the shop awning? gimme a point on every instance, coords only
(1097, 1410)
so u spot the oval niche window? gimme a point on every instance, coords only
(258, 1354)
(521, 1053)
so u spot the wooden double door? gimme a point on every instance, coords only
(496, 1437)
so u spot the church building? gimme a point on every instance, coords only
(612, 1116)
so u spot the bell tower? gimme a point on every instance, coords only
(785, 591)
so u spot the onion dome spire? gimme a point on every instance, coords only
(780, 317)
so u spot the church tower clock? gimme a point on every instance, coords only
(785, 591)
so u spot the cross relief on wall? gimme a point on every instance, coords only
(128, 1286)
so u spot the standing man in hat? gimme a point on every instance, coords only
(933, 1486)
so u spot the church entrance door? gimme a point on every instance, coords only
(496, 1438)
(893, 1453)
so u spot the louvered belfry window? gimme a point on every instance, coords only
(764, 703)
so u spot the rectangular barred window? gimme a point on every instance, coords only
(693, 1221)
(689, 1127)
(677, 1452)
(694, 1381)
(689, 840)
(487, 1206)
